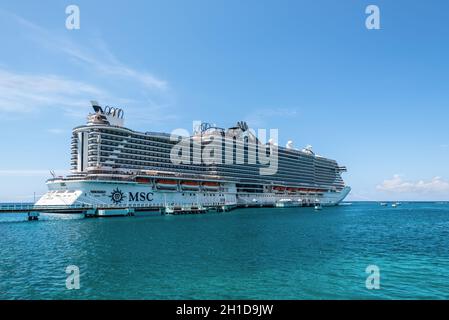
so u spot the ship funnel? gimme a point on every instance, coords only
(242, 125)
(96, 106)
(108, 115)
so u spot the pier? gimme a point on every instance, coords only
(110, 210)
(33, 212)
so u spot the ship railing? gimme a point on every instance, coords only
(85, 206)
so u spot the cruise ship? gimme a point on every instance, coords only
(113, 168)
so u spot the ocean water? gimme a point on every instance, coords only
(292, 253)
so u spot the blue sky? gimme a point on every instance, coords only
(375, 100)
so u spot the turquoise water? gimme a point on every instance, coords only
(294, 253)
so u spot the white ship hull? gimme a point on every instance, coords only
(136, 195)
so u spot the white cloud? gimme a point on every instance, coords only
(398, 185)
(103, 61)
(28, 92)
(56, 131)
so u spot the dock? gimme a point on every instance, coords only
(109, 210)
(88, 210)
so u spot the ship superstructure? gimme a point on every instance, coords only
(212, 168)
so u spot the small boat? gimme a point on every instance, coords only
(210, 185)
(190, 185)
(143, 180)
(383, 204)
(394, 205)
(166, 184)
(318, 206)
(345, 204)
(278, 189)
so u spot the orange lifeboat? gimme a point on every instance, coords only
(166, 184)
(190, 185)
(143, 180)
(210, 185)
(278, 189)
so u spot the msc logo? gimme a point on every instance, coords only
(117, 196)
(141, 196)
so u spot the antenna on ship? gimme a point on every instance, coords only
(53, 173)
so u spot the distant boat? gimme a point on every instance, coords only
(345, 204)
(394, 205)
(383, 204)
(318, 206)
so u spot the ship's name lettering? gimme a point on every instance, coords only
(141, 196)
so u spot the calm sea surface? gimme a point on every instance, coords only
(295, 253)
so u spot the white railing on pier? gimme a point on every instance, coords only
(23, 207)
(27, 206)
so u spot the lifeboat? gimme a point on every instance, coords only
(166, 184)
(190, 185)
(307, 190)
(278, 189)
(210, 185)
(143, 180)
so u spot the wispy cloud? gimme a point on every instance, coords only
(97, 56)
(30, 173)
(398, 185)
(29, 92)
(56, 131)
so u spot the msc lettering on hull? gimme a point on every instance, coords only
(141, 196)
